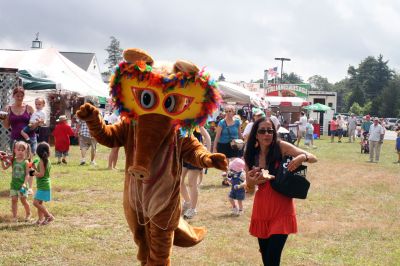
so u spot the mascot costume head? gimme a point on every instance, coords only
(155, 102)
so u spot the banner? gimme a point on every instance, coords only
(288, 90)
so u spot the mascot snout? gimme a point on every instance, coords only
(149, 138)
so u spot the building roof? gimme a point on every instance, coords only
(82, 60)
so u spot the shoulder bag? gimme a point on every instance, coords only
(236, 144)
(291, 184)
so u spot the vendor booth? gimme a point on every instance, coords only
(48, 74)
(288, 99)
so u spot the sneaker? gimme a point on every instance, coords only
(240, 212)
(82, 163)
(64, 161)
(189, 213)
(93, 163)
(185, 206)
(235, 211)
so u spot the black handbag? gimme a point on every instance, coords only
(291, 184)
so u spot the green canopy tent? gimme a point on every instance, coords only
(317, 107)
(33, 83)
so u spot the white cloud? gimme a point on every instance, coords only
(237, 38)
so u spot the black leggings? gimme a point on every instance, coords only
(271, 249)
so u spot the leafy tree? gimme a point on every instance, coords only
(372, 75)
(320, 83)
(291, 78)
(114, 54)
(342, 91)
(356, 108)
(367, 108)
(390, 99)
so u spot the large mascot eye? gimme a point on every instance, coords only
(176, 103)
(169, 104)
(147, 99)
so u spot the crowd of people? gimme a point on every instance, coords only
(249, 145)
(24, 121)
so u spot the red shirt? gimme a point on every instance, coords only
(334, 124)
(61, 134)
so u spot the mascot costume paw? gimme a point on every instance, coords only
(155, 103)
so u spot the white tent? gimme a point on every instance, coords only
(233, 93)
(50, 64)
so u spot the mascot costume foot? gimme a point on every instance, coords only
(157, 103)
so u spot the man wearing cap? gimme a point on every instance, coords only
(257, 114)
(366, 124)
(352, 124)
(376, 135)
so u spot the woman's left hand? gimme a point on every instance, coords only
(296, 162)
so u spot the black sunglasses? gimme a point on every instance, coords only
(270, 131)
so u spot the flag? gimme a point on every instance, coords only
(273, 72)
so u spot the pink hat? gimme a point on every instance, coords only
(237, 165)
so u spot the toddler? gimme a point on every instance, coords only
(43, 184)
(310, 134)
(236, 177)
(61, 134)
(37, 119)
(20, 178)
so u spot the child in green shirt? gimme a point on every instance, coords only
(43, 192)
(19, 185)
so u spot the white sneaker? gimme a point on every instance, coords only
(93, 163)
(240, 212)
(235, 211)
(185, 206)
(189, 213)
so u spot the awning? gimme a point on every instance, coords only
(286, 101)
(233, 93)
(32, 83)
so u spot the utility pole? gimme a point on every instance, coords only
(282, 59)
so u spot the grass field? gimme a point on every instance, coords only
(351, 217)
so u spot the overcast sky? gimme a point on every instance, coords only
(237, 38)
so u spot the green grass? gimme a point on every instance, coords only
(351, 217)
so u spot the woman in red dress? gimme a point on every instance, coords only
(274, 216)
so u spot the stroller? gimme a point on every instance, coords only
(288, 137)
(364, 143)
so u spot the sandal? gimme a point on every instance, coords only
(48, 220)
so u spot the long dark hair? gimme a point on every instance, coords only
(274, 153)
(43, 151)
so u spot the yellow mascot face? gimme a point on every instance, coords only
(184, 94)
(178, 103)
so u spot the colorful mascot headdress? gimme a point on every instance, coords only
(183, 93)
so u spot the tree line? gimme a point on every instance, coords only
(370, 88)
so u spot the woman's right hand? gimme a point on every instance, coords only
(255, 177)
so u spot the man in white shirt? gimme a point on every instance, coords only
(257, 114)
(301, 132)
(376, 135)
(352, 124)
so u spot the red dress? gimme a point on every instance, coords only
(273, 213)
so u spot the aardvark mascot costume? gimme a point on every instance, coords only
(155, 103)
